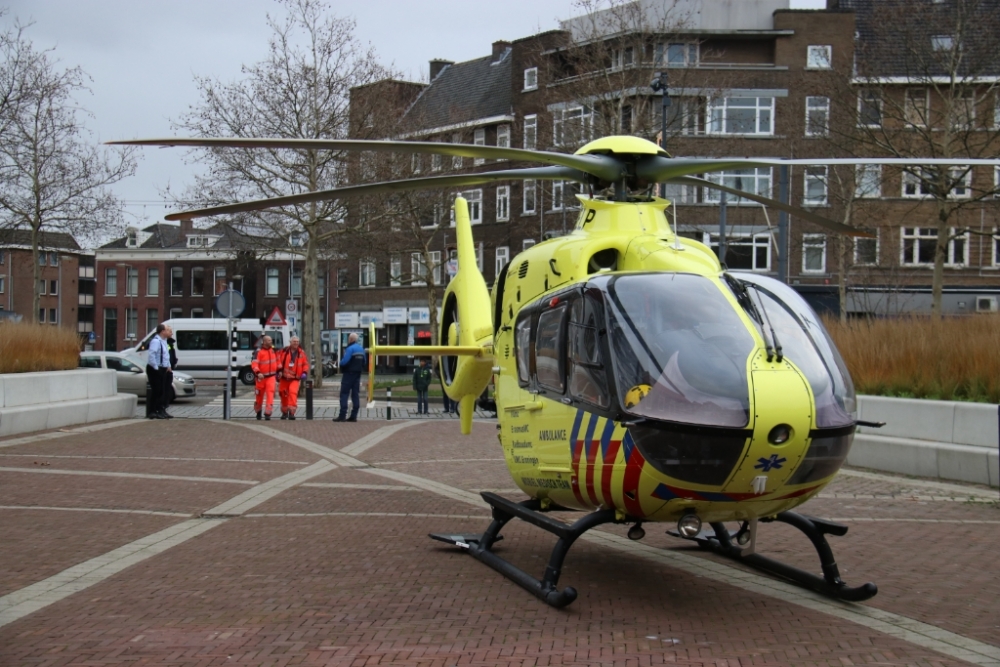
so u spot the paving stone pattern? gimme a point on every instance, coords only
(337, 569)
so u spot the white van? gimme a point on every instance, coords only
(202, 345)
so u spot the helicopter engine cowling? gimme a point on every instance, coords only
(466, 320)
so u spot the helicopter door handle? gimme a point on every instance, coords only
(552, 265)
(530, 406)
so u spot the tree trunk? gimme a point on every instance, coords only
(36, 273)
(940, 256)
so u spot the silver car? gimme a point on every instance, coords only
(132, 373)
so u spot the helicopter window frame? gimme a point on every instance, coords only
(553, 344)
(586, 371)
(524, 348)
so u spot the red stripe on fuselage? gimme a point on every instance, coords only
(575, 482)
(595, 446)
(607, 469)
(633, 471)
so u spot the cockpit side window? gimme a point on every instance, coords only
(587, 376)
(550, 342)
(522, 348)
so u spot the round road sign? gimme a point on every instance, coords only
(230, 303)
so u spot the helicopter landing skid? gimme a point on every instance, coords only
(830, 584)
(480, 546)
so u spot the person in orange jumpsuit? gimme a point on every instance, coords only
(293, 369)
(265, 367)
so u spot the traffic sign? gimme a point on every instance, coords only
(92, 337)
(230, 303)
(291, 307)
(275, 319)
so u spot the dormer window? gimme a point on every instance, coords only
(531, 78)
(199, 241)
(131, 238)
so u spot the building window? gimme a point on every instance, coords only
(342, 278)
(527, 243)
(683, 194)
(53, 287)
(175, 313)
(131, 281)
(531, 78)
(152, 319)
(757, 181)
(177, 281)
(197, 312)
(41, 315)
(152, 282)
(418, 269)
(503, 138)
(416, 161)
(42, 286)
(296, 282)
(197, 281)
(271, 289)
(817, 116)
(198, 242)
(920, 245)
(958, 249)
(815, 189)
(435, 162)
(435, 257)
(366, 274)
(53, 316)
(395, 270)
(819, 57)
(3, 286)
(741, 115)
(478, 139)
(53, 259)
(320, 286)
(964, 109)
(557, 195)
(475, 200)
(571, 126)
(814, 253)
(996, 252)
(131, 238)
(750, 253)
(110, 282)
(131, 323)
(676, 54)
(2, 255)
(41, 258)
(530, 132)
(869, 109)
(916, 106)
(502, 257)
(942, 42)
(456, 160)
(868, 181)
(921, 186)
(503, 203)
(220, 280)
(528, 200)
(866, 251)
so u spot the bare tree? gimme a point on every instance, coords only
(53, 178)
(300, 91)
(925, 87)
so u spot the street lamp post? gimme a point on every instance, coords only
(659, 85)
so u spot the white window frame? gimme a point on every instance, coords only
(929, 235)
(530, 79)
(761, 178)
(754, 241)
(503, 139)
(131, 273)
(479, 256)
(558, 190)
(683, 194)
(858, 240)
(131, 323)
(964, 120)
(418, 269)
(719, 116)
(914, 115)
(175, 313)
(456, 160)
(819, 56)
(815, 176)
(502, 258)
(416, 163)
(395, 271)
(2, 284)
(868, 181)
(942, 42)
(173, 270)
(436, 270)
(813, 242)
(435, 162)
(920, 190)
(269, 273)
(953, 261)
(869, 97)
(816, 105)
(296, 277)
(42, 286)
(503, 203)
(200, 312)
(219, 272)
(152, 282)
(530, 138)
(366, 273)
(478, 139)
(54, 287)
(527, 243)
(665, 54)
(529, 187)
(561, 118)
(202, 270)
(995, 259)
(111, 274)
(475, 201)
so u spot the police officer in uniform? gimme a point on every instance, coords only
(352, 366)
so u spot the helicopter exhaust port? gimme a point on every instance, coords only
(689, 525)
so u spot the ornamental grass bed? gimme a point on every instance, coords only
(28, 348)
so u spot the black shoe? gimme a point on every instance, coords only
(258, 415)
(352, 419)
(284, 415)
(165, 415)
(154, 415)
(267, 418)
(291, 415)
(340, 419)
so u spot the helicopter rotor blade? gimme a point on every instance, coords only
(800, 213)
(603, 167)
(554, 173)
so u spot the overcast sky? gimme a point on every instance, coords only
(142, 56)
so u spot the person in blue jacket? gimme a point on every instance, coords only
(352, 365)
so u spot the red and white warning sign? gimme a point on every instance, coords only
(275, 319)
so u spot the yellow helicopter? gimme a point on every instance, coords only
(635, 378)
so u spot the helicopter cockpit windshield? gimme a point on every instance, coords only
(805, 343)
(680, 349)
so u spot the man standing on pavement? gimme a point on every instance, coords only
(422, 378)
(352, 365)
(157, 367)
(294, 368)
(265, 367)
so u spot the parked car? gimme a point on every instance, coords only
(132, 374)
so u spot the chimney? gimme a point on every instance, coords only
(187, 227)
(437, 66)
(499, 49)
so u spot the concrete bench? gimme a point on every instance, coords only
(39, 401)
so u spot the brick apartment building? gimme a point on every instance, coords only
(751, 79)
(61, 287)
(168, 271)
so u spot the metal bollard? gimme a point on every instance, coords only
(309, 398)
(388, 403)
(149, 400)
(232, 389)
